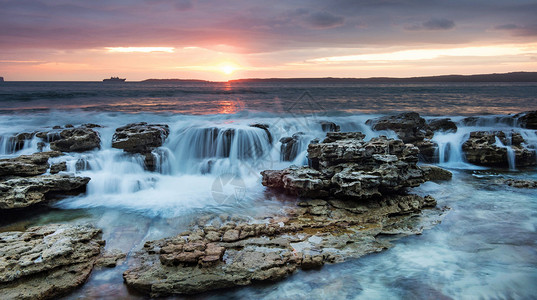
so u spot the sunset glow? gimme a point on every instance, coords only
(161, 39)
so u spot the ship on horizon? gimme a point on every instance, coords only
(114, 79)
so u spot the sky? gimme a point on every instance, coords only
(222, 40)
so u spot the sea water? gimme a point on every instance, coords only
(484, 248)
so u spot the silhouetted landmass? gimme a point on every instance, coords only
(503, 77)
(174, 80)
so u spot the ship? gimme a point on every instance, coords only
(114, 79)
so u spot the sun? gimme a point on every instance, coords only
(228, 68)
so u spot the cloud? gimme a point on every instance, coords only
(323, 20)
(180, 5)
(519, 30)
(434, 24)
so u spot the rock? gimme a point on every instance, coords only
(22, 192)
(443, 124)
(109, 259)
(290, 146)
(265, 127)
(46, 262)
(27, 165)
(527, 119)
(76, 140)
(517, 183)
(344, 165)
(16, 142)
(274, 250)
(140, 137)
(329, 126)
(409, 127)
(482, 148)
(91, 125)
(434, 173)
(58, 167)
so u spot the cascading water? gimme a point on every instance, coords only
(198, 151)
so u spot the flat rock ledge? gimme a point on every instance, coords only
(22, 192)
(357, 195)
(238, 253)
(45, 262)
(517, 183)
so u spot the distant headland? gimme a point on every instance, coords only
(495, 77)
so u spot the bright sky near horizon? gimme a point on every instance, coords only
(220, 40)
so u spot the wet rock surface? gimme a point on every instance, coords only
(442, 124)
(434, 173)
(517, 183)
(345, 165)
(410, 128)
(45, 262)
(329, 126)
(75, 140)
(492, 149)
(27, 165)
(225, 253)
(527, 119)
(290, 146)
(21, 192)
(140, 137)
(362, 186)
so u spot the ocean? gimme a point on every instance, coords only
(484, 248)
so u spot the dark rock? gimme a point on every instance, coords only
(290, 146)
(481, 148)
(69, 126)
(46, 262)
(16, 142)
(76, 140)
(140, 137)
(265, 127)
(57, 127)
(444, 124)
(347, 166)
(58, 167)
(409, 127)
(21, 192)
(434, 173)
(91, 125)
(517, 183)
(527, 119)
(27, 165)
(329, 126)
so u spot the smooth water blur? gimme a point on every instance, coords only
(229, 98)
(484, 248)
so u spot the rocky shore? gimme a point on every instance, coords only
(353, 198)
(356, 193)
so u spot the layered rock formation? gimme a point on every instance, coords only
(527, 119)
(492, 149)
(22, 183)
(363, 189)
(47, 261)
(344, 165)
(27, 165)
(411, 128)
(76, 140)
(141, 138)
(21, 192)
(222, 253)
(290, 146)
